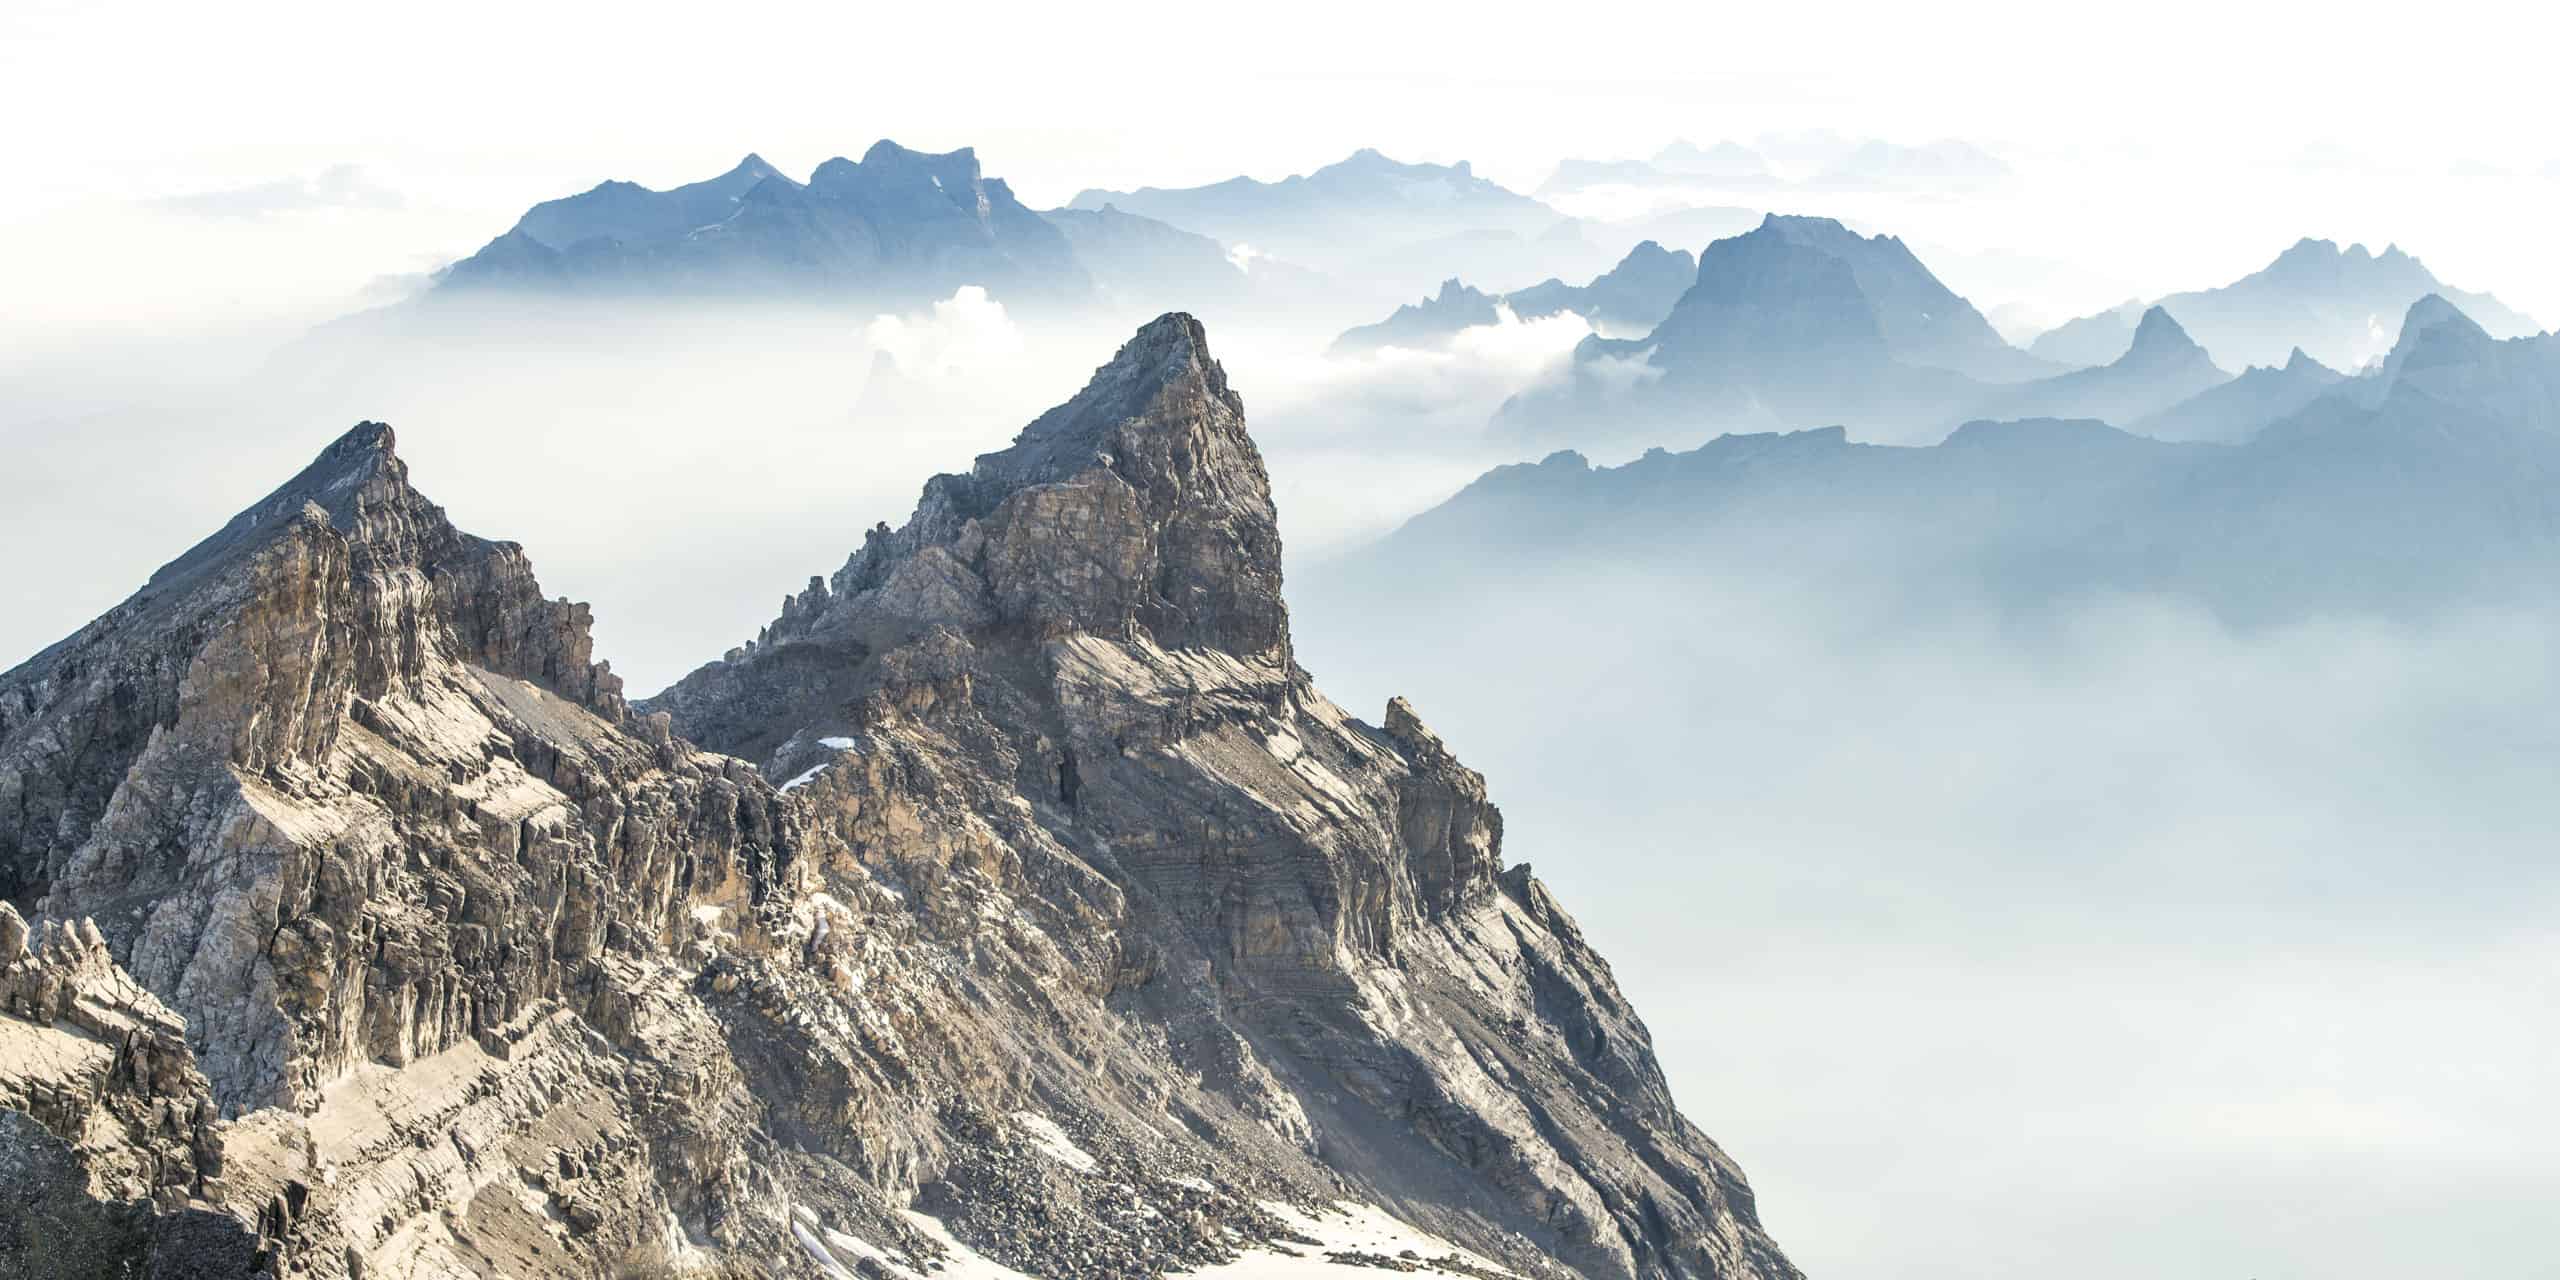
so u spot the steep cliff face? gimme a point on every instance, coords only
(1081, 932)
(1090, 623)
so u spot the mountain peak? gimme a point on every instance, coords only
(362, 440)
(1141, 505)
(358, 464)
(1166, 360)
(1805, 224)
(2434, 315)
(2159, 334)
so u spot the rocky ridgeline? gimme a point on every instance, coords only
(1079, 920)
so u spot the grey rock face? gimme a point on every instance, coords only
(1089, 627)
(1081, 921)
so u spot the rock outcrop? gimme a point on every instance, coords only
(1081, 932)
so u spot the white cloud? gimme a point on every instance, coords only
(1452, 389)
(339, 186)
(965, 332)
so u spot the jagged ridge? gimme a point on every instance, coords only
(491, 972)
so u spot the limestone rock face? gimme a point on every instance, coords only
(1087, 631)
(1014, 893)
(108, 1133)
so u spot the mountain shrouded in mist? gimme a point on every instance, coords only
(894, 226)
(1632, 296)
(1381, 229)
(2428, 483)
(1798, 322)
(2341, 306)
(2162, 368)
(1365, 200)
(2233, 411)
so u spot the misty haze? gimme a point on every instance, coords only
(1167, 643)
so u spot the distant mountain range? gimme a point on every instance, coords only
(2162, 368)
(1383, 230)
(1141, 264)
(900, 226)
(1797, 322)
(1804, 323)
(2340, 306)
(1365, 201)
(1633, 296)
(2236, 410)
(2433, 480)
(896, 225)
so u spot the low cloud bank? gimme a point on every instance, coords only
(2198, 947)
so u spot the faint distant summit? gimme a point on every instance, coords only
(1630, 298)
(1366, 200)
(2341, 306)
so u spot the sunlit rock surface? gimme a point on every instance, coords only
(1015, 896)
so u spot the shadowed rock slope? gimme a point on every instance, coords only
(373, 928)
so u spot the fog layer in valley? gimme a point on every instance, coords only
(2195, 948)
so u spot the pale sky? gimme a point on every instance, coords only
(2170, 146)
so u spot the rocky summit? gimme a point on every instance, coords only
(1014, 899)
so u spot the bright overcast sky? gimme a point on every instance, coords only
(2196, 137)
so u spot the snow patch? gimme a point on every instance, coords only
(1053, 1141)
(827, 1264)
(961, 1262)
(1345, 1228)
